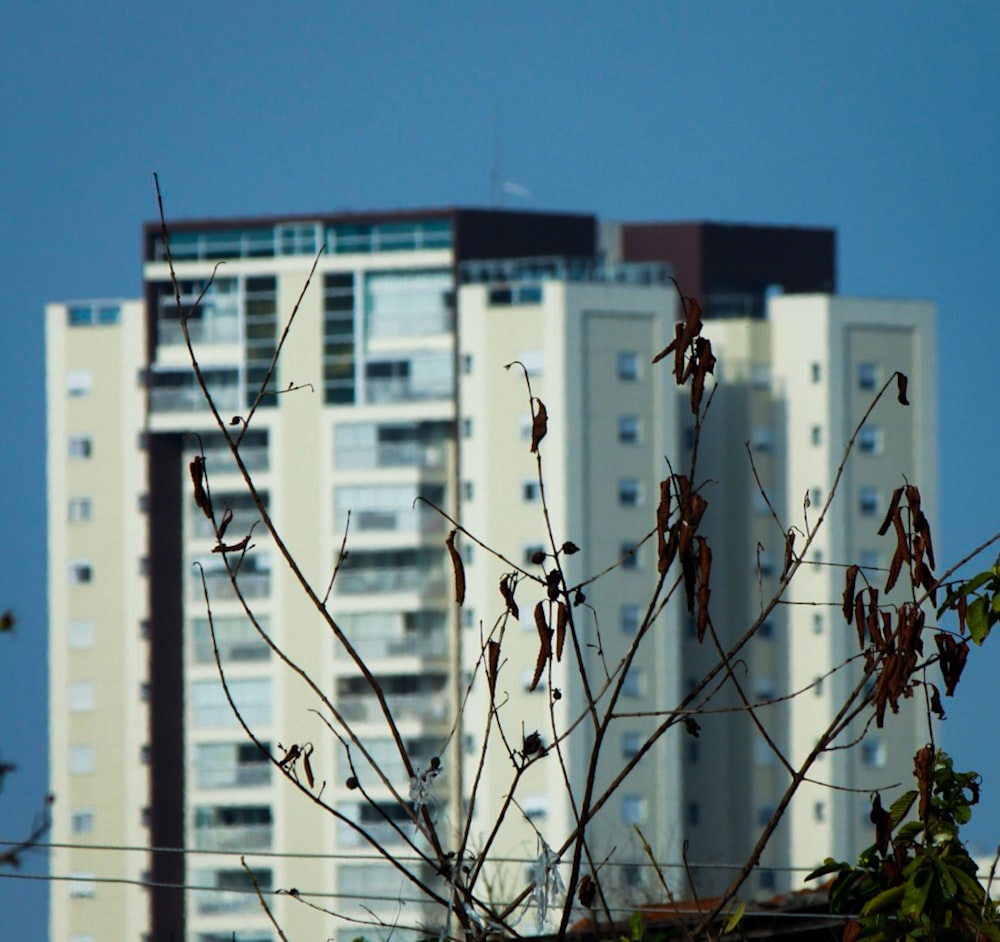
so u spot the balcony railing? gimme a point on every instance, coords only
(234, 839)
(190, 398)
(409, 644)
(427, 707)
(404, 389)
(249, 775)
(253, 585)
(402, 579)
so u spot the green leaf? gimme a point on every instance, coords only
(635, 926)
(995, 604)
(886, 901)
(828, 866)
(977, 620)
(900, 808)
(916, 890)
(735, 915)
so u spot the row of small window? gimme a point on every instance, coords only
(868, 376)
(81, 571)
(90, 315)
(629, 491)
(80, 634)
(81, 509)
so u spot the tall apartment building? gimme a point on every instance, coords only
(391, 388)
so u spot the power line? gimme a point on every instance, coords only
(681, 909)
(369, 856)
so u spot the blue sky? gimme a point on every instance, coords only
(882, 120)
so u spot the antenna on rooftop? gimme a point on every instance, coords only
(500, 186)
(496, 171)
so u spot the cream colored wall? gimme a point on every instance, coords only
(840, 333)
(115, 601)
(577, 330)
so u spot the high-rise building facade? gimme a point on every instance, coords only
(391, 396)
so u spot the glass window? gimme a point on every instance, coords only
(79, 509)
(82, 760)
(765, 562)
(235, 635)
(869, 501)
(766, 629)
(533, 361)
(629, 492)
(81, 886)
(80, 446)
(633, 685)
(816, 434)
(693, 813)
(873, 752)
(81, 822)
(763, 755)
(230, 765)
(817, 686)
(628, 365)
(210, 708)
(534, 554)
(629, 618)
(629, 556)
(633, 809)
(870, 559)
(817, 624)
(631, 744)
(629, 430)
(760, 376)
(80, 572)
(763, 814)
(530, 490)
(80, 697)
(815, 372)
(80, 635)
(407, 303)
(819, 811)
(868, 376)
(535, 807)
(870, 440)
(78, 382)
(762, 438)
